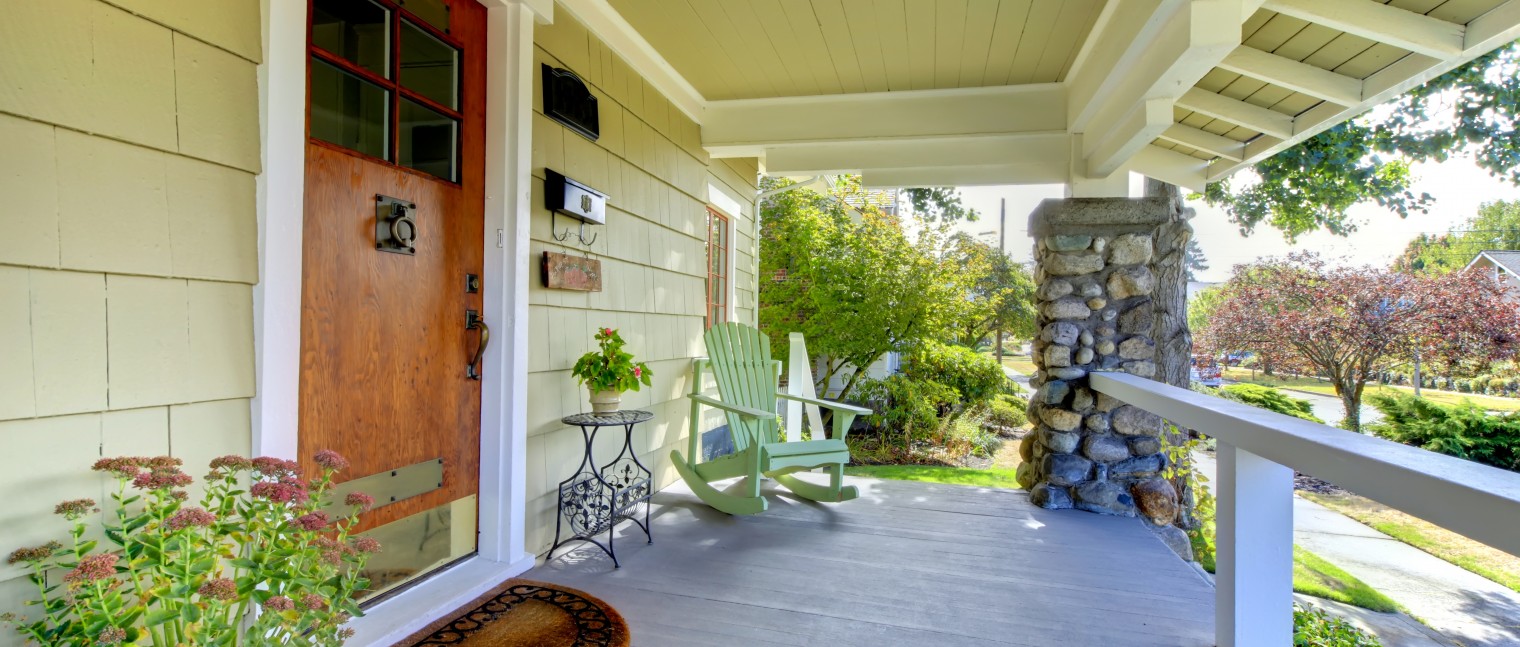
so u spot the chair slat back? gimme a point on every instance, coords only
(741, 363)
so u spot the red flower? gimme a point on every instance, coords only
(637, 372)
(279, 492)
(607, 332)
(188, 517)
(313, 521)
(332, 460)
(359, 500)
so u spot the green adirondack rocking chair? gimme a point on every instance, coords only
(739, 356)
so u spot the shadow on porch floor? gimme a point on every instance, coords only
(906, 564)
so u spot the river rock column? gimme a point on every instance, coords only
(1097, 268)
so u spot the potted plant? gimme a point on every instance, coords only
(608, 372)
(262, 538)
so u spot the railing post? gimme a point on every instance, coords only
(1254, 558)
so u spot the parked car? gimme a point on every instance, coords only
(1205, 370)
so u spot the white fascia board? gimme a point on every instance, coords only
(1115, 46)
(1235, 111)
(758, 123)
(1379, 23)
(617, 33)
(960, 150)
(1171, 166)
(1044, 172)
(1492, 30)
(1300, 77)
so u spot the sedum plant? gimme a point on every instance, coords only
(175, 574)
(610, 368)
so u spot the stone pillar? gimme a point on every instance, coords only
(1099, 266)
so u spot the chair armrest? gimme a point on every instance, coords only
(731, 408)
(827, 404)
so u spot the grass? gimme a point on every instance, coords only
(1323, 388)
(1479, 558)
(1312, 575)
(1020, 363)
(993, 478)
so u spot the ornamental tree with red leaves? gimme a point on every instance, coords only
(1348, 324)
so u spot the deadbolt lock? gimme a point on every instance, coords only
(395, 225)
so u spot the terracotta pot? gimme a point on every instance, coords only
(605, 401)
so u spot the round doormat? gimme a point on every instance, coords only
(524, 613)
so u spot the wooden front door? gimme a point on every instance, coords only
(392, 255)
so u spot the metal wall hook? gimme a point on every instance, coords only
(554, 231)
(582, 236)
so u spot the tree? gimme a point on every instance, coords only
(1193, 260)
(1200, 309)
(1496, 226)
(1471, 110)
(1350, 323)
(1001, 295)
(940, 204)
(854, 282)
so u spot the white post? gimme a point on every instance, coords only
(799, 382)
(1254, 558)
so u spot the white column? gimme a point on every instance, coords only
(504, 385)
(1254, 598)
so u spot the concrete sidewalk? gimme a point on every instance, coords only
(1462, 608)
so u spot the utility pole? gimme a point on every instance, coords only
(997, 338)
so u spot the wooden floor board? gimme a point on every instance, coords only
(906, 564)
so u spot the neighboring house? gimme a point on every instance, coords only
(1505, 267)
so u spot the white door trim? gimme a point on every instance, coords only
(277, 297)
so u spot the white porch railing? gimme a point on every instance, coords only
(1257, 453)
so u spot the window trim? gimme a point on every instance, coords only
(727, 305)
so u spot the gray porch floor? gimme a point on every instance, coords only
(905, 564)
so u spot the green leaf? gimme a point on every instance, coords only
(160, 616)
(191, 613)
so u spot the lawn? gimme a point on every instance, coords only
(1312, 575)
(1477, 557)
(1020, 363)
(1323, 388)
(994, 478)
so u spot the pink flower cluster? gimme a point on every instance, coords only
(276, 468)
(313, 521)
(93, 569)
(219, 588)
(279, 603)
(76, 508)
(111, 636)
(313, 601)
(190, 517)
(366, 544)
(161, 478)
(359, 500)
(279, 491)
(34, 554)
(331, 460)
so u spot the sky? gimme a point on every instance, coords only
(1457, 185)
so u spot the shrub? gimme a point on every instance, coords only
(905, 403)
(1464, 430)
(1007, 411)
(1266, 397)
(976, 377)
(1314, 628)
(967, 434)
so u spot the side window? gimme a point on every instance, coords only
(717, 268)
(385, 82)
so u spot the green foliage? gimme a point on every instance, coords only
(1008, 411)
(1201, 307)
(906, 404)
(975, 378)
(1312, 575)
(1496, 226)
(610, 369)
(1464, 431)
(856, 284)
(1312, 627)
(940, 204)
(994, 478)
(1470, 110)
(1001, 292)
(1266, 397)
(178, 574)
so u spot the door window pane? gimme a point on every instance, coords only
(433, 12)
(348, 111)
(427, 141)
(358, 30)
(429, 67)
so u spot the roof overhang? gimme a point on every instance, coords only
(1165, 88)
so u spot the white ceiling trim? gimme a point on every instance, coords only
(1235, 111)
(617, 33)
(1171, 166)
(1375, 21)
(1205, 141)
(854, 156)
(1143, 125)
(1300, 77)
(1484, 34)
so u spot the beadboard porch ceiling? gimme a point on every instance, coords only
(905, 564)
(964, 92)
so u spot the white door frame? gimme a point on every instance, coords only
(277, 297)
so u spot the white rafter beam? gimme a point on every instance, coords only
(1293, 75)
(1378, 22)
(748, 127)
(1171, 166)
(1205, 141)
(1490, 31)
(1122, 100)
(1257, 118)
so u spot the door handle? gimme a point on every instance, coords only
(472, 320)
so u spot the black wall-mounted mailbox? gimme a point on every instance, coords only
(568, 101)
(581, 202)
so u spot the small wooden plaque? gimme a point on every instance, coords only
(566, 272)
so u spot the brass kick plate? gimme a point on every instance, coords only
(394, 485)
